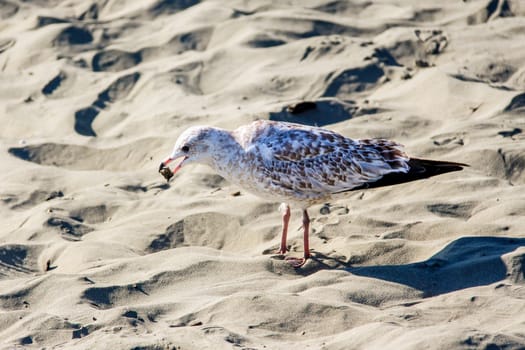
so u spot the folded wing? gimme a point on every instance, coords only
(321, 161)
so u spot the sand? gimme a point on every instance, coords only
(97, 251)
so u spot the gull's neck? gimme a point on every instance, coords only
(226, 153)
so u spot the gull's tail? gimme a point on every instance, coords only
(419, 169)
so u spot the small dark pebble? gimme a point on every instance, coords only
(131, 314)
(236, 194)
(301, 107)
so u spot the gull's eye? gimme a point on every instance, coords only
(185, 149)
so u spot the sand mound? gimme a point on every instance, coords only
(98, 251)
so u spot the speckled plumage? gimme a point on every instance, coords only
(309, 165)
(300, 165)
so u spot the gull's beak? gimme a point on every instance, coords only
(168, 160)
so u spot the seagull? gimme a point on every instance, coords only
(299, 165)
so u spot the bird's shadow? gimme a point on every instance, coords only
(464, 263)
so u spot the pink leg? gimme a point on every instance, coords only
(306, 230)
(285, 210)
(298, 262)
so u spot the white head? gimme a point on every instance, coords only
(198, 144)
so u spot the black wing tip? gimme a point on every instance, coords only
(419, 169)
(446, 166)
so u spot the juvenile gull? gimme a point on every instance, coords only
(299, 165)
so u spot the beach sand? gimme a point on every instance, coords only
(97, 251)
